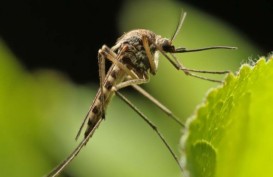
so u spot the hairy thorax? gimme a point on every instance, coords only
(130, 45)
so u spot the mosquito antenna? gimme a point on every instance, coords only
(182, 18)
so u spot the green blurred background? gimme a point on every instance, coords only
(41, 111)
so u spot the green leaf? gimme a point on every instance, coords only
(231, 132)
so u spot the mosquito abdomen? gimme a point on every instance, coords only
(97, 109)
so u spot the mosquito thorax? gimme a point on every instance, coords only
(135, 56)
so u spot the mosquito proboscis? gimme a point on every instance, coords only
(134, 57)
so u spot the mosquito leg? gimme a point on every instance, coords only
(151, 125)
(112, 56)
(56, 171)
(182, 67)
(148, 53)
(188, 71)
(134, 83)
(179, 66)
(204, 78)
(157, 103)
(206, 71)
(101, 63)
(129, 83)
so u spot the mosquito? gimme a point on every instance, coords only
(134, 57)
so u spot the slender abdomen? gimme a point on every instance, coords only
(113, 77)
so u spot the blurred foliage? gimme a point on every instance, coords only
(231, 134)
(42, 111)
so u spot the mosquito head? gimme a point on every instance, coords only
(166, 45)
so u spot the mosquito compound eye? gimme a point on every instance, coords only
(167, 46)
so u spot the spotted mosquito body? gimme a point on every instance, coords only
(134, 57)
(131, 54)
